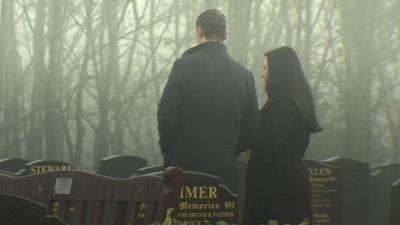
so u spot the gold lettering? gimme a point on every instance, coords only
(196, 222)
(203, 192)
(213, 192)
(183, 192)
(327, 171)
(33, 170)
(320, 171)
(39, 169)
(189, 192)
(49, 168)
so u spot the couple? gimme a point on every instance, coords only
(208, 114)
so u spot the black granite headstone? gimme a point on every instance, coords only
(120, 166)
(203, 199)
(12, 165)
(355, 190)
(325, 193)
(18, 210)
(382, 176)
(15, 210)
(395, 203)
(149, 169)
(44, 166)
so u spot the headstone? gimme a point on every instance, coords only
(54, 220)
(395, 203)
(12, 165)
(80, 197)
(121, 166)
(15, 210)
(149, 169)
(355, 190)
(203, 200)
(382, 176)
(325, 193)
(44, 166)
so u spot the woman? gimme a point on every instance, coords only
(278, 187)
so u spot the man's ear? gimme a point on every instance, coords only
(225, 35)
(199, 32)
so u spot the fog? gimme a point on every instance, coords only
(80, 80)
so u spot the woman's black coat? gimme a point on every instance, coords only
(277, 182)
(278, 186)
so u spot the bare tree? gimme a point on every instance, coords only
(357, 21)
(53, 98)
(35, 139)
(105, 78)
(10, 79)
(239, 25)
(74, 74)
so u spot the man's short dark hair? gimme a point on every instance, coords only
(213, 24)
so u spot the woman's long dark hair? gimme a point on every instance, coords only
(286, 78)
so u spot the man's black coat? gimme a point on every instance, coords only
(208, 107)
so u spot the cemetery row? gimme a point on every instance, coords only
(124, 190)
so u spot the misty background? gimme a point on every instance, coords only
(80, 80)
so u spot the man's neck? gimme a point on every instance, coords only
(201, 41)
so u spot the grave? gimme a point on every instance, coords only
(22, 211)
(354, 190)
(395, 203)
(149, 169)
(11, 166)
(121, 166)
(79, 197)
(382, 177)
(44, 166)
(325, 193)
(203, 200)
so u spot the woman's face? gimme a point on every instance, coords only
(266, 71)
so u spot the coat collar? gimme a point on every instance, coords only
(208, 46)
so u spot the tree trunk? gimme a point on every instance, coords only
(102, 139)
(308, 35)
(10, 82)
(76, 151)
(239, 28)
(53, 120)
(35, 138)
(358, 28)
(114, 71)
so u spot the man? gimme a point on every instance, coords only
(208, 106)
